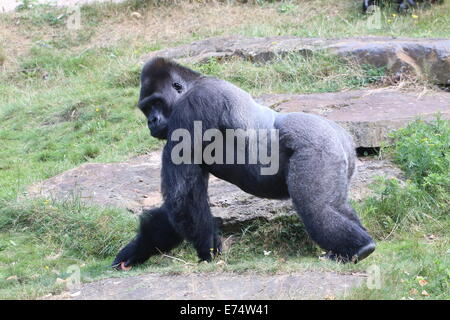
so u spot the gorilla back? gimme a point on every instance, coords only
(315, 162)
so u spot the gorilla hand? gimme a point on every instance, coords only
(156, 235)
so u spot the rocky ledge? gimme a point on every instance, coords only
(424, 57)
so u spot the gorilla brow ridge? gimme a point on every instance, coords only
(184, 72)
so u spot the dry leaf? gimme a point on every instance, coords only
(12, 278)
(75, 294)
(423, 282)
(424, 293)
(221, 263)
(136, 15)
(413, 291)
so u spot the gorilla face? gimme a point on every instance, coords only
(157, 111)
(162, 84)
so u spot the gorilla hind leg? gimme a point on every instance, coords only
(317, 185)
(351, 214)
(156, 235)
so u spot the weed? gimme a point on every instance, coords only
(422, 150)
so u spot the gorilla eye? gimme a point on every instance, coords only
(177, 87)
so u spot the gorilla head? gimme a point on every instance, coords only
(163, 82)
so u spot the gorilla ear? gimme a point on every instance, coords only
(177, 87)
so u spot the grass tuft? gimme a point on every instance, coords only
(285, 236)
(313, 72)
(82, 231)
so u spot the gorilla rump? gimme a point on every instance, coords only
(316, 162)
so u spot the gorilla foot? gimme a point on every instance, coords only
(362, 253)
(209, 256)
(205, 256)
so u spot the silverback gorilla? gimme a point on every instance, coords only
(316, 162)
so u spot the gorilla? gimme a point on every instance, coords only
(403, 5)
(316, 162)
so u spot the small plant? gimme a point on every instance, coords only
(373, 74)
(286, 7)
(422, 150)
(91, 152)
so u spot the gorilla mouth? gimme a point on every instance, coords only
(159, 133)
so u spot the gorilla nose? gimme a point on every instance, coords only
(153, 120)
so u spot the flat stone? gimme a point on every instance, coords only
(369, 115)
(135, 185)
(223, 286)
(429, 58)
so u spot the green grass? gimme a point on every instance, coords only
(403, 263)
(68, 101)
(411, 221)
(316, 72)
(40, 240)
(346, 20)
(64, 109)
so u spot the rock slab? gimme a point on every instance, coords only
(369, 115)
(223, 286)
(425, 57)
(135, 185)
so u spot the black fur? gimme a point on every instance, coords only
(156, 235)
(316, 162)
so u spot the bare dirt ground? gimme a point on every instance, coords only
(302, 286)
